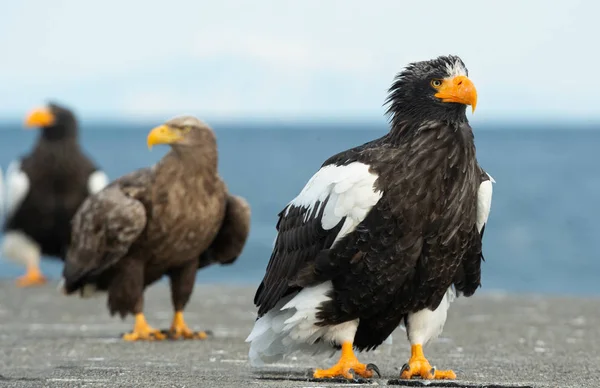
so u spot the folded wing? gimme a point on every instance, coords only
(468, 275)
(331, 205)
(105, 227)
(232, 236)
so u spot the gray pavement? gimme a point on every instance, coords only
(490, 340)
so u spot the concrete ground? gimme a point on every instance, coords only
(490, 340)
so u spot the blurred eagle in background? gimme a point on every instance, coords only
(385, 233)
(43, 191)
(170, 219)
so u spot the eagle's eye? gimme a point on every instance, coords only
(436, 83)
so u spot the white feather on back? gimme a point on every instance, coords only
(17, 187)
(484, 202)
(350, 191)
(97, 181)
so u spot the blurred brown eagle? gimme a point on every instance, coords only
(170, 219)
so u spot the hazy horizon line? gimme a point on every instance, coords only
(328, 121)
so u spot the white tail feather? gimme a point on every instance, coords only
(290, 327)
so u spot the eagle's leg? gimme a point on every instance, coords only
(347, 364)
(421, 327)
(20, 248)
(33, 277)
(419, 366)
(143, 331)
(126, 296)
(182, 284)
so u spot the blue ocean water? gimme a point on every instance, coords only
(543, 233)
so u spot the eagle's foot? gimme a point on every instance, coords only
(347, 364)
(186, 334)
(33, 277)
(149, 335)
(143, 332)
(180, 330)
(419, 366)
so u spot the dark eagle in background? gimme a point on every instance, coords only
(44, 190)
(170, 219)
(383, 234)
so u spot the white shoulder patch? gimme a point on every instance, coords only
(484, 202)
(97, 181)
(17, 186)
(351, 193)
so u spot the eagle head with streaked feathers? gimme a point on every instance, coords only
(181, 131)
(437, 88)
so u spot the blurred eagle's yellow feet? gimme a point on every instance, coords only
(347, 364)
(142, 331)
(33, 277)
(180, 330)
(419, 366)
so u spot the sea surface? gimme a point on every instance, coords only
(543, 234)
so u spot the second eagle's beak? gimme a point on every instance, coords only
(162, 134)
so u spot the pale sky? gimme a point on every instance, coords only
(531, 59)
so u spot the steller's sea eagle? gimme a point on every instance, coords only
(43, 191)
(384, 233)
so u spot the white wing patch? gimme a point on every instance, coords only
(484, 202)
(351, 194)
(17, 186)
(97, 181)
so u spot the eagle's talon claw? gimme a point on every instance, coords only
(374, 368)
(405, 368)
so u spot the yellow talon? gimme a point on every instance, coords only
(179, 329)
(419, 366)
(347, 362)
(142, 331)
(33, 277)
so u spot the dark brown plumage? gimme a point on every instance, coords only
(170, 219)
(383, 233)
(231, 238)
(45, 189)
